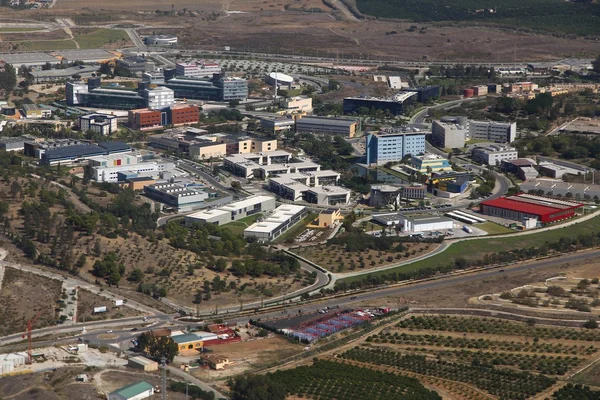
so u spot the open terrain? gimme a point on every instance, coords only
(337, 259)
(86, 301)
(22, 296)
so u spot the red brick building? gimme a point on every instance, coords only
(144, 119)
(183, 114)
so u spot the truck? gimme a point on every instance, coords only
(467, 229)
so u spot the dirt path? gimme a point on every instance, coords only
(355, 40)
(344, 10)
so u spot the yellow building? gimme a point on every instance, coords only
(204, 151)
(188, 341)
(300, 104)
(215, 361)
(259, 146)
(327, 218)
(139, 183)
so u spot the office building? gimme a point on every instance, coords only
(177, 196)
(145, 119)
(33, 111)
(94, 95)
(326, 125)
(499, 132)
(245, 165)
(124, 172)
(395, 104)
(277, 124)
(100, 123)
(384, 195)
(450, 133)
(282, 80)
(428, 163)
(298, 104)
(217, 88)
(232, 212)
(70, 151)
(136, 64)
(553, 188)
(283, 218)
(393, 146)
(557, 171)
(525, 206)
(161, 40)
(197, 69)
(494, 154)
(424, 93)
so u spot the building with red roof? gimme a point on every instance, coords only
(523, 206)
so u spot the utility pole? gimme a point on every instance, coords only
(186, 390)
(163, 362)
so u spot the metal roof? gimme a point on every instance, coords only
(514, 203)
(86, 54)
(114, 146)
(26, 58)
(78, 150)
(133, 390)
(185, 338)
(326, 121)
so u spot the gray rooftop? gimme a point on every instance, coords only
(325, 121)
(85, 54)
(24, 58)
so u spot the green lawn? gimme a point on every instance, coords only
(296, 229)
(99, 38)
(237, 227)
(47, 45)
(476, 249)
(394, 172)
(494, 229)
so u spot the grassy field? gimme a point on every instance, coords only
(545, 15)
(99, 38)
(237, 227)
(476, 249)
(590, 376)
(494, 229)
(47, 45)
(296, 229)
(11, 30)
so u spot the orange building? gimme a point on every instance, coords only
(183, 114)
(144, 119)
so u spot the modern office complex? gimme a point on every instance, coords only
(197, 69)
(424, 93)
(499, 132)
(69, 151)
(283, 218)
(100, 123)
(93, 94)
(415, 223)
(12, 143)
(245, 165)
(393, 146)
(217, 88)
(33, 111)
(384, 195)
(161, 40)
(296, 187)
(395, 104)
(176, 115)
(124, 172)
(136, 64)
(450, 132)
(525, 206)
(326, 125)
(233, 211)
(298, 104)
(428, 163)
(494, 154)
(177, 196)
(277, 124)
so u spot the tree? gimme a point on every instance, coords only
(235, 185)
(158, 347)
(590, 324)
(220, 265)
(198, 297)
(8, 78)
(256, 387)
(136, 275)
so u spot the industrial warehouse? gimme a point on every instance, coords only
(525, 206)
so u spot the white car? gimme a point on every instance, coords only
(109, 331)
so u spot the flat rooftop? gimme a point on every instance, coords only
(281, 215)
(329, 190)
(247, 202)
(326, 121)
(86, 54)
(25, 58)
(532, 204)
(208, 214)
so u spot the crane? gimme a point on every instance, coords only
(28, 335)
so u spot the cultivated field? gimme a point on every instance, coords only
(22, 296)
(459, 357)
(338, 259)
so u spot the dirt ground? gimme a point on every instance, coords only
(139, 5)
(59, 385)
(459, 295)
(86, 301)
(19, 303)
(337, 259)
(248, 356)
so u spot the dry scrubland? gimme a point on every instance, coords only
(22, 296)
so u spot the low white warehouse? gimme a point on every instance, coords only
(426, 224)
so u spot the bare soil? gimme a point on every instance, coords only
(59, 384)
(22, 296)
(86, 301)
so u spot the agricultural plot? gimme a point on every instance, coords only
(337, 259)
(559, 293)
(475, 358)
(334, 380)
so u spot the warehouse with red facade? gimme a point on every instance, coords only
(522, 206)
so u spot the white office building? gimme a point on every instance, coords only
(283, 218)
(233, 211)
(197, 69)
(494, 154)
(415, 223)
(159, 98)
(499, 132)
(100, 123)
(449, 134)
